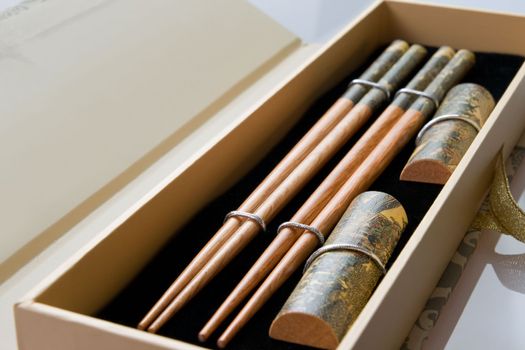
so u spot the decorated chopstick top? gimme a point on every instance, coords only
(377, 69)
(425, 76)
(392, 79)
(449, 76)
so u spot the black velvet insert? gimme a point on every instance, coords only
(493, 71)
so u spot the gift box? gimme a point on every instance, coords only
(96, 298)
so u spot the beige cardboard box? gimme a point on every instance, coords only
(58, 313)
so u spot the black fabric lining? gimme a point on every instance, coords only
(493, 71)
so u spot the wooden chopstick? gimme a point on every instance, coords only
(291, 185)
(326, 190)
(361, 179)
(325, 124)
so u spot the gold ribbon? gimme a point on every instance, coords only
(504, 214)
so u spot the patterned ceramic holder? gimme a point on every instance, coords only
(340, 276)
(443, 141)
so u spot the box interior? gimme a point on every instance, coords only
(97, 282)
(151, 282)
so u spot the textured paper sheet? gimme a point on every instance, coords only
(93, 92)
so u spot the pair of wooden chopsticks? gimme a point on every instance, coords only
(289, 186)
(383, 141)
(159, 313)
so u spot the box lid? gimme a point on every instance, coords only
(96, 91)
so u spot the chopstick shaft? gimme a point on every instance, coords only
(363, 177)
(296, 180)
(340, 108)
(311, 208)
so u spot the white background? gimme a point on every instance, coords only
(486, 311)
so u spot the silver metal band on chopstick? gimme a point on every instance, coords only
(371, 84)
(246, 215)
(418, 93)
(346, 247)
(443, 118)
(307, 228)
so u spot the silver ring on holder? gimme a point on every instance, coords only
(443, 118)
(371, 84)
(347, 247)
(418, 93)
(249, 216)
(304, 227)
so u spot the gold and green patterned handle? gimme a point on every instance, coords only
(441, 146)
(339, 281)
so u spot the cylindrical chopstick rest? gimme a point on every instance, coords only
(340, 108)
(444, 140)
(342, 276)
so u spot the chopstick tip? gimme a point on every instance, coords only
(221, 343)
(228, 335)
(203, 336)
(153, 329)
